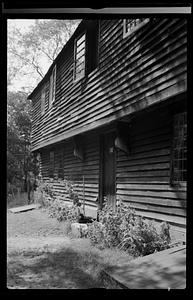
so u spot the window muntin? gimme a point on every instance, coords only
(79, 63)
(52, 86)
(179, 155)
(131, 25)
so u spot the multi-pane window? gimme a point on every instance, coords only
(52, 86)
(131, 25)
(86, 51)
(43, 97)
(179, 157)
(79, 62)
(51, 164)
(58, 163)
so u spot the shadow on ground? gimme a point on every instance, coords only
(170, 273)
(65, 269)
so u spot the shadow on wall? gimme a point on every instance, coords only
(147, 66)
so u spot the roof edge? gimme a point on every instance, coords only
(76, 32)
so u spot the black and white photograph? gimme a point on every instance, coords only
(97, 148)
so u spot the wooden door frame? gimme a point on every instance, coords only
(101, 166)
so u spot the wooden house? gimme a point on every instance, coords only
(110, 115)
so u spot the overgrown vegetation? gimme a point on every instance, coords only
(119, 228)
(58, 207)
(19, 158)
(123, 229)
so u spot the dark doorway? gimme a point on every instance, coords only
(107, 181)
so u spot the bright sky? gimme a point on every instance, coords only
(27, 81)
(23, 25)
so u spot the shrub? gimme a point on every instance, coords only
(56, 205)
(123, 229)
(63, 212)
(96, 234)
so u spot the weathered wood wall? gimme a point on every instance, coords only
(143, 177)
(133, 72)
(74, 169)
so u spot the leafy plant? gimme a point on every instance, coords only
(63, 212)
(57, 206)
(122, 228)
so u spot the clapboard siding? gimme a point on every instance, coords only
(74, 170)
(133, 72)
(143, 176)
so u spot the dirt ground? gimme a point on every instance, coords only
(42, 256)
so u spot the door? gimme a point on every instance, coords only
(108, 168)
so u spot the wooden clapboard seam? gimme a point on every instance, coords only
(118, 106)
(170, 203)
(152, 194)
(145, 186)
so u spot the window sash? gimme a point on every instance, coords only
(179, 150)
(43, 98)
(52, 86)
(51, 164)
(131, 25)
(79, 58)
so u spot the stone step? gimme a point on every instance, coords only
(24, 208)
(79, 230)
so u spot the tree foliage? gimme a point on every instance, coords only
(18, 135)
(30, 53)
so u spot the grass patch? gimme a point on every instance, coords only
(79, 265)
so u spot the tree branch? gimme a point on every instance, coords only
(36, 67)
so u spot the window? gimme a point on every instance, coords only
(51, 164)
(86, 51)
(59, 163)
(92, 44)
(52, 86)
(179, 151)
(43, 97)
(131, 25)
(79, 59)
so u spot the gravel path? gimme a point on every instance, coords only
(41, 256)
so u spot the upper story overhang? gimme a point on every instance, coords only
(131, 73)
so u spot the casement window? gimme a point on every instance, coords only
(51, 164)
(43, 98)
(86, 51)
(59, 164)
(179, 151)
(52, 87)
(79, 57)
(131, 25)
(56, 163)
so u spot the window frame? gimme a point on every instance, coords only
(75, 78)
(52, 87)
(51, 163)
(43, 100)
(138, 26)
(176, 176)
